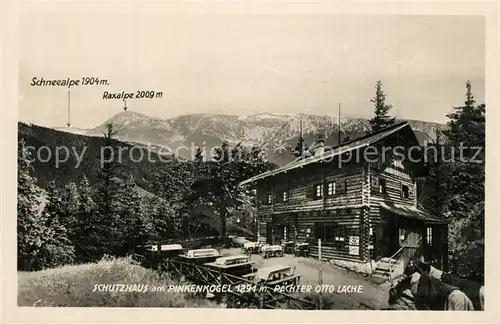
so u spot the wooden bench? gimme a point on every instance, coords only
(293, 280)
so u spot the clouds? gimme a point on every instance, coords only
(264, 63)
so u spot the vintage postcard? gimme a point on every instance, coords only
(251, 162)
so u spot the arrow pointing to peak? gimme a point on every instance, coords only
(69, 109)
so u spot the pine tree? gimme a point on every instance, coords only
(134, 230)
(466, 206)
(436, 184)
(87, 240)
(198, 156)
(381, 119)
(107, 195)
(199, 165)
(30, 230)
(57, 248)
(69, 208)
(300, 148)
(162, 217)
(171, 185)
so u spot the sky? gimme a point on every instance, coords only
(248, 64)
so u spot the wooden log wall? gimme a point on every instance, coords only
(299, 185)
(362, 195)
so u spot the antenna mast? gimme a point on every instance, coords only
(69, 109)
(301, 135)
(339, 124)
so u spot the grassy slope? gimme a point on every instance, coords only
(73, 286)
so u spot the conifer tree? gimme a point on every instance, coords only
(381, 119)
(30, 230)
(87, 240)
(163, 220)
(133, 222)
(300, 148)
(466, 134)
(200, 165)
(107, 195)
(69, 208)
(198, 156)
(436, 184)
(57, 248)
(171, 184)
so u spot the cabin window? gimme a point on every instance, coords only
(382, 187)
(429, 235)
(285, 196)
(405, 191)
(318, 191)
(331, 233)
(331, 188)
(269, 199)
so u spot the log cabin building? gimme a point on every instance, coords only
(359, 198)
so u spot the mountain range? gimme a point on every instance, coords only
(277, 134)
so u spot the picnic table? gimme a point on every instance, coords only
(250, 247)
(152, 257)
(288, 247)
(302, 249)
(200, 256)
(236, 265)
(272, 250)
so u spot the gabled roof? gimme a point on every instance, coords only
(357, 143)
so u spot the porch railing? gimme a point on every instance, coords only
(393, 257)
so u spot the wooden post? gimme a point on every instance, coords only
(261, 297)
(444, 242)
(158, 263)
(320, 275)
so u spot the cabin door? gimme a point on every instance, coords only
(386, 237)
(269, 233)
(410, 235)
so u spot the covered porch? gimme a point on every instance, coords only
(406, 232)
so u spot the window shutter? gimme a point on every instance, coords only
(310, 191)
(375, 183)
(317, 230)
(341, 187)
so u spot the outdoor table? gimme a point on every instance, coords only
(302, 249)
(288, 247)
(200, 256)
(236, 265)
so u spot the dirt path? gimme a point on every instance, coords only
(372, 295)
